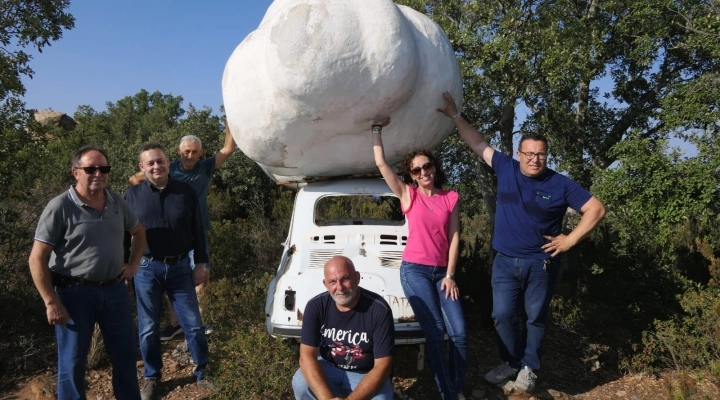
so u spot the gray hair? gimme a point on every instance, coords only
(190, 138)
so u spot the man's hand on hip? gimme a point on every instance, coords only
(558, 244)
(129, 271)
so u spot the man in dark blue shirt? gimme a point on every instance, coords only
(351, 330)
(531, 203)
(170, 212)
(198, 174)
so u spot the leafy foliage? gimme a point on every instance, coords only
(25, 23)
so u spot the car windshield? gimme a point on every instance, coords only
(358, 210)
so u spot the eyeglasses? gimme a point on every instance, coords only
(426, 167)
(529, 155)
(91, 170)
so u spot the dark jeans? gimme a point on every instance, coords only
(438, 315)
(109, 307)
(516, 283)
(152, 280)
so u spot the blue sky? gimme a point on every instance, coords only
(178, 47)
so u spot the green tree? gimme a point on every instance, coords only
(23, 24)
(543, 58)
(27, 23)
(609, 82)
(156, 117)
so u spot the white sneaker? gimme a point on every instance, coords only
(500, 373)
(526, 380)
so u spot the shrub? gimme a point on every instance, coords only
(688, 342)
(254, 366)
(248, 363)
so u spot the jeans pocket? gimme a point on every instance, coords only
(66, 290)
(185, 262)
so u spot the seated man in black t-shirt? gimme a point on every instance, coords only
(347, 341)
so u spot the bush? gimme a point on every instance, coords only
(248, 363)
(234, 305)
(690, 342)
(255, 366)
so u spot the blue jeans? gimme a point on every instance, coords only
(154, 278)
(109, 306)
(340, 381)
(438, 315)
(518, 282)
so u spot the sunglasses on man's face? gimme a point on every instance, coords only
(425, 167)
(91, 170)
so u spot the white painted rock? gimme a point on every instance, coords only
(301, 92)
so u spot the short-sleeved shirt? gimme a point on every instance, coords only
(350, 340)
(199, 178)
(87, 243)
(428, 226)
(528, 208)
(171, 218)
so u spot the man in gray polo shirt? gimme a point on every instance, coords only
(77, 266)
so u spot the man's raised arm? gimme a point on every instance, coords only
(474, 139)
(228, 148)
(137, 178)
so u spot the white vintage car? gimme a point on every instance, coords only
(357, 218)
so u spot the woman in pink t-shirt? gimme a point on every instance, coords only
(427, 272)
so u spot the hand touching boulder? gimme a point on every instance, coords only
(302, 91)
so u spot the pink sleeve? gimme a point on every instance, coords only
(451, 199)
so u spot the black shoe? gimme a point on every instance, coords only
(149, 388)
(169, 332)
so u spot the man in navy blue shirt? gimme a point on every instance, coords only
(347, 340)
(170, 212)
(198, 174)
(531, 203)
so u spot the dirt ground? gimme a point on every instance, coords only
(573, 368)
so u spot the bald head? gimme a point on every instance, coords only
(342, 282)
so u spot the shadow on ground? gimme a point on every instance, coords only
(569, 367)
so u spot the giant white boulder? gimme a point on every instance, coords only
(302, 91)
